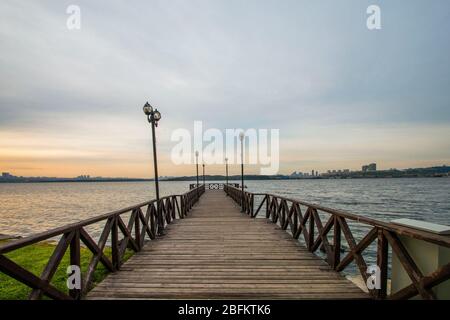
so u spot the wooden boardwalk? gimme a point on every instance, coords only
(219, 253)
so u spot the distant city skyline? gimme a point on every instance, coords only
(295, 174)
(340, 94)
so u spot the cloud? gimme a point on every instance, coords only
(289, 65)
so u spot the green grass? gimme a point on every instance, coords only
(34, 258)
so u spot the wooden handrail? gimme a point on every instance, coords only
(287, 212)
(214, 185)
(71, 236)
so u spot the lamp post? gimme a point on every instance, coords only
(241, 137)
(153, 116)
(203, 165)
(196, 164)
(226, 171)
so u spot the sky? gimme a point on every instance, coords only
(340, 94)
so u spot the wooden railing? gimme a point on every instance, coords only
(133, 235)
(301, 218)
(214, 185)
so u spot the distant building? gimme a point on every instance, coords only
(83, 177)
(294, 175)
(346, 170)
(7, 175)
(369, 167)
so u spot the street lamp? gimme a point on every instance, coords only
(196, 164)
(226, 170)
(241, 137)
(153, 116)
(203, 173)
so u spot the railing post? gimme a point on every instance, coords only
(137, 230)
(336, 242)
(283, 214)
(75, 261)
(247, 203)
(181, 207)
(311, 232)
(174, 209)
(382, 262)
(115, 243)
(161, 218)
(295, 220)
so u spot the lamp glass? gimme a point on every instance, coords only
(157, 115)
(147, 109)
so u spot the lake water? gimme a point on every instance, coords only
(426, 199)
(29, 208)
(384, 199)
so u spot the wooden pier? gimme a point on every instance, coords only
(217, 253)
(218, 241)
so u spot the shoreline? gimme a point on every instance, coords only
(224, 178)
